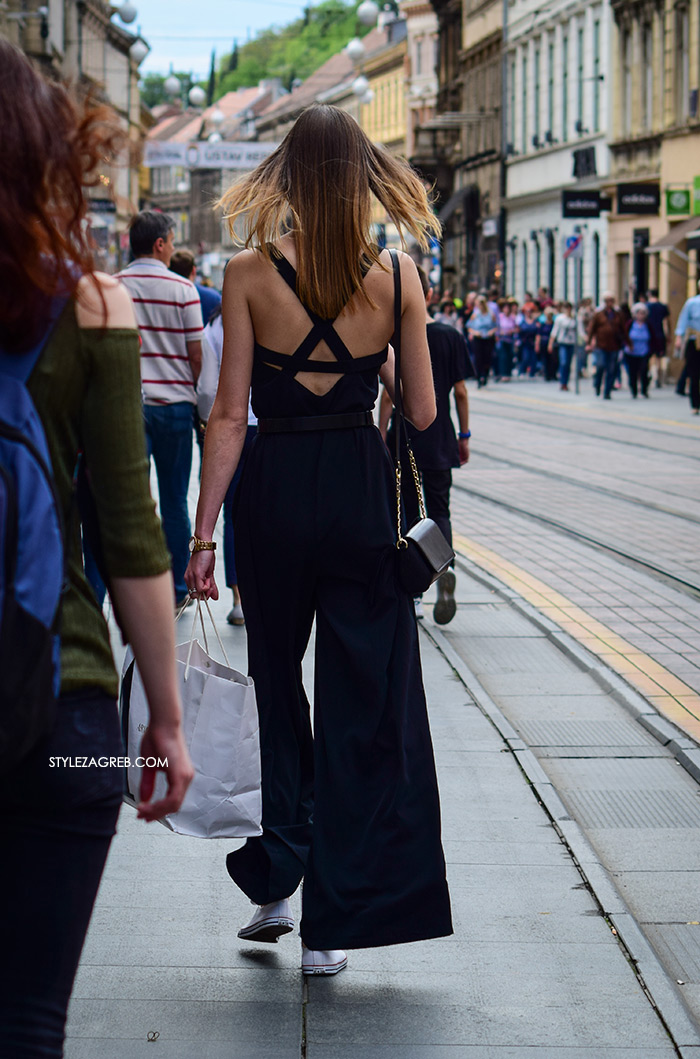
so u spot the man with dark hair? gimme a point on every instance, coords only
(437, 450)
(183, 263)
(607, 336)
(659, 320)
(169, 316)
(688, 336)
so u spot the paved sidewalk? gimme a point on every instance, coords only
(533, 969)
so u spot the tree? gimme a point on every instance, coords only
(211, 89)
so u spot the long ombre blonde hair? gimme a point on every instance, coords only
(320, 182)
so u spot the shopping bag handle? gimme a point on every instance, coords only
(198, 614)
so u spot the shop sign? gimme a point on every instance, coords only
(638, 198)
(102, 206)
(580, 203)
(677, 202)
(489, 227)
(696, 196)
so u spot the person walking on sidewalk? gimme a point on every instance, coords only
(78, 328)
(507, 335)
(639, 341)
(688, 332)
(352, 808)
(438, 449)
(659, 325)
(182, 263)
(607, 336)
(482, 335)
(564, 337)
(169, 316)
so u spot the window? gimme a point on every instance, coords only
(419, 57)
(536, 98)
(682, 52)
(596, 268)
(525, 269)
(565, 88)
(523, 103)
(579, 84)
(550, 88)
(626, 45)
(596, 77)
(648, 77)
(511, 122)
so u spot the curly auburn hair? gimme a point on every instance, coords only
(52, 148)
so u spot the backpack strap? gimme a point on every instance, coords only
(21, 365)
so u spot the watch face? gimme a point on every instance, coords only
(190, 544)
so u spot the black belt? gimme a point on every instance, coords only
(337, 422)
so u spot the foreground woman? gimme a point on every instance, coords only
(308, 316)
(57, 822)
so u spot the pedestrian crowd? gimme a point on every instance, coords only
(541, 337)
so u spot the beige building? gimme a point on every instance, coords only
(78, 41)
(655, 150)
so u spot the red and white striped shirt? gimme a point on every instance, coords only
(169, 315)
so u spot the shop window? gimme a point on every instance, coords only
(648, 77)
(682, 52)
(596, 76)
(565, 88)
(626, 48)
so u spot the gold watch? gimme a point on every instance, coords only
(198, 545)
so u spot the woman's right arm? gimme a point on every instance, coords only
(114, 449)
(417, 388)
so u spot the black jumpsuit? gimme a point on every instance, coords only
(354, 808)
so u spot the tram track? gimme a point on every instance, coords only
(589, 487)
(689, 588)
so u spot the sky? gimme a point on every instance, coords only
(183, 32)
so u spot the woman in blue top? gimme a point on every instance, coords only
(638, 349)
(529, 330)
(482, 332)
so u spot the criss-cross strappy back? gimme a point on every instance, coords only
(322, 331)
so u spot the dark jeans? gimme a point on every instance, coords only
(436, 493)
(483, 355)
(505, 358)
(55, 831)
(229, 549)
(637, 373)
(566, 352)
(692, 363)
(169, 439)
(605, 365)
(528, 360)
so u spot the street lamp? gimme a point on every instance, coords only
(355, 49)
(214, 137)
(360, 86)
(217, 118)
(368, 13)
(197, 96)
(172, 85)
(126, 11)
(138, 51)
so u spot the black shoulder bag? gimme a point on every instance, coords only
(423, 552)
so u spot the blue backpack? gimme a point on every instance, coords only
(32, 563)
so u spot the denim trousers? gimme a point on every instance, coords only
(505, 358)
(169, 429)
(55, 830)
(605, 365)
(566, 352)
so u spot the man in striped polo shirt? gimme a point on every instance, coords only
(169, 316)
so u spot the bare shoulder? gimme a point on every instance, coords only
(103, 302)
(242, 266)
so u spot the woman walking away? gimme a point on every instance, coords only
(482, 334)
(639, 342)
(507, 335)
(564, 336)
(353, 810)
(71, 333)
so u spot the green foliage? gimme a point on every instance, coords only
(153, 93)
(292, 51)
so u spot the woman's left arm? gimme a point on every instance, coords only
(228, 422)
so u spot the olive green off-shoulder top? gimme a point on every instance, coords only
(87, 390)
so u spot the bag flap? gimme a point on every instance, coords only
(428, 536)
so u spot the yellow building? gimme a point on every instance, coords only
(655, 150)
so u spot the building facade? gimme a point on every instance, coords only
(655, 146)
(556, 97)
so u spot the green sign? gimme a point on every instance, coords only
(678, 202)
(696, 196)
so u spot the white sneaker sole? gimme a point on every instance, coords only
(267, 930)
(323, 968)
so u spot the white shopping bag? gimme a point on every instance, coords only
(220, 725)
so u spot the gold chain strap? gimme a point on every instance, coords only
(401, 541)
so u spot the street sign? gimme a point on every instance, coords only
(573, 247)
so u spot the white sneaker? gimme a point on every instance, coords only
(269, 923)
(235, 615)
(418, 604)
(322, 961)
(445, 608)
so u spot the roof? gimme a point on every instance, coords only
(333, 72)
(188, 124)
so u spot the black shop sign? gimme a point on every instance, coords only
(580, 203)
(638, 198)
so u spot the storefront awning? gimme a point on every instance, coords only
(676, 235)
(455, 201)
